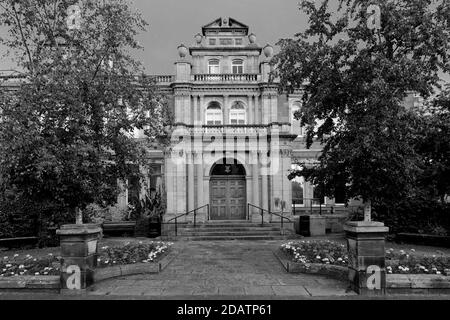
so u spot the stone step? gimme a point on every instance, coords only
(240, 237)
(231, 225)
(229, 233)
(249, 229)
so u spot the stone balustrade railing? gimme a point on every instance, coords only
(229, 77)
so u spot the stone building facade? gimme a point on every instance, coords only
(235, 138)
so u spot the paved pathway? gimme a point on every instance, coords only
(224, 269)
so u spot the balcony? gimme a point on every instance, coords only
(238, 130)
(226, 77)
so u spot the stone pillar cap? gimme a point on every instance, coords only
(365, 226)
(73, 229)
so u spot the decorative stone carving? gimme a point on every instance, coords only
(182, 51)
(268, 51)
(252, 38)
(198, 38)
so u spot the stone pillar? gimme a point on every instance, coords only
(79, 245)
(255, 178)
(191, 189)
(265, 109)
(180, 184)
(250, 119)
(366, 256)
(187, 109)
(265, 191)
(170, 187)
(256, 111)
(202, 109)
(200, 201)
(273, 108)
(226, 110)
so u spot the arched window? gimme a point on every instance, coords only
(213, 66)
(214, 114)
(237, 113)
(296, 127)
(237, 66)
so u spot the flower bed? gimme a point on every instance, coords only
(407, 262)
(132, 252)
(27, 265)
(397, 261)
(320, 251)
(129, 253)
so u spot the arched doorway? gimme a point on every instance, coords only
(227, 190)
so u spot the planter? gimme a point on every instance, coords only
(417, 284)
(330, 270)
(30, 283)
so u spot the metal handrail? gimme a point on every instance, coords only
(185, 214)
(270, 212)
(320, 206)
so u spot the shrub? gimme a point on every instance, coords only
(416, 216)
(321, 251)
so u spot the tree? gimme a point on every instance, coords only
(354, 80)
(433, 144)
(66, 133)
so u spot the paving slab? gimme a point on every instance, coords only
(223, 268)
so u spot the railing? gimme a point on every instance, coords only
(268, 211)
(239, 129)
(163, 78)
(228, 77)
(312, 204)
(186, 214)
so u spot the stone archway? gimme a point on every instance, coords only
(227, 190)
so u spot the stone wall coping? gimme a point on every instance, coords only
(365, 227)
(417, 281)
(331, 270)
(30, 282)
(78, 229)
(101, 274)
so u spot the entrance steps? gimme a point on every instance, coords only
(233, 230)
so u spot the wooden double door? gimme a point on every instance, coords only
(228, 196)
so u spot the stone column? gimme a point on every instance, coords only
(180, 183)
(79, 245)
(226, 110)
(256, 119)
(200, 201)
(250, 119)
(273, 108)
(255, 178)
(266, 109)
(366, 256)
(170, 191)
(265, 191)
(191, 189)
(202, 109)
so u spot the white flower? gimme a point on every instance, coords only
(50, 254)
(16, 255)
(45, 272)
(413, 250)
(9, 265)
(317, 257)
(21, 266)
(438, 272)
(5, 257)
(36, 273)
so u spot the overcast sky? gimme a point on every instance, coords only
(172, 22)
